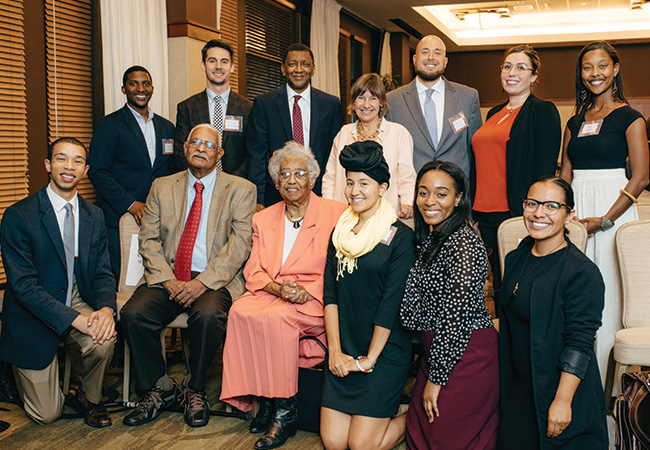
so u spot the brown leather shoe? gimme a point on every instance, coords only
(197, 408)
(94, 415)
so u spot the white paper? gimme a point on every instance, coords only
(134, 269)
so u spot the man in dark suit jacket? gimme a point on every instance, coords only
(130, 148)
(218, 64)
(42, 236)
(273, 122)
(457, 107)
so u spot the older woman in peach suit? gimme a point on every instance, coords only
(283, 302)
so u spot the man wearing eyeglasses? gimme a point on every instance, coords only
(195, 238)
(441, 116)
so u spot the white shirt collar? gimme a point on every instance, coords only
(139, 116)
(306, 94)
(438, 87)
(58, 202)
(224, 95)
(207, 181)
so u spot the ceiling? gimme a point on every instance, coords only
(538, 22)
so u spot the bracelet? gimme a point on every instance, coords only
(361, 358)
(630, 196)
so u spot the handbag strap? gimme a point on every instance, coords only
(644, 378)
(314, 338)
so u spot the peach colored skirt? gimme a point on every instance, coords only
(262, 351)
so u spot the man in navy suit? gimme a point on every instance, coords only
(296, 112)
(230, 116)
(59, 288)
(130, 148)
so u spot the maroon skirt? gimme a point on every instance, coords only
(468, 404)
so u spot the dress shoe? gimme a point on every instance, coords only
(152, 404)
(8, 389)
(197, 408)
(283, 425)
(94, 415)
(264, 415)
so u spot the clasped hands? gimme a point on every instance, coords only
(341, 364)
(184, 292)
(293, 292)
(99, 325)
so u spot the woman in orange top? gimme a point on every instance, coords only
(518, 143)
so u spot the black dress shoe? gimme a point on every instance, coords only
(197, 408)
(95, 415)
(151, 405)
(264, 415)
(283, 426)
(8, 389)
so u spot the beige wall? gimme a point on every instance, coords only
(186, 77)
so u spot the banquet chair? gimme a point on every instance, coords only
(130, 273)
(632, 343)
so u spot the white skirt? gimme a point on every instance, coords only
(595, 193)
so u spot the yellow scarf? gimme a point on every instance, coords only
(350, 246)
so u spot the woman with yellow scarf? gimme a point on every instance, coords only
(368, 261)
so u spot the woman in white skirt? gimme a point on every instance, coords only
(598, 141)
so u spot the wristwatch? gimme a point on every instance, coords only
(606, 224)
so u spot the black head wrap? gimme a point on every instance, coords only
(366, 157)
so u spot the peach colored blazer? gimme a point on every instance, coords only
(306, 262)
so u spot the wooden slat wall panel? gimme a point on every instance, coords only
(68, 36)
(229, 29)
(13, 109)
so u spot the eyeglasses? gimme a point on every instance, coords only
(299, 175)
(551, 208)
(519, 68)
(208, 145)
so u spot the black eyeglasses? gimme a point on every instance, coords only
(551, 208)
(209, 145)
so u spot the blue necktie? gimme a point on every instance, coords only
(431, 118)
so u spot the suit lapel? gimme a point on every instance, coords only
(51, 225)
(451, 105)
(179, 197)
(315, 115)
(282, 104)
(137, 132)
(202, 108)
(276, 232)
(158, 142)
(308, 230)
(413, 104)
(231, 110)
(85, 231)
(219, 191)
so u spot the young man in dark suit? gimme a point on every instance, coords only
(295, 112)
(59, 288)
(229, 115)
(130, 148)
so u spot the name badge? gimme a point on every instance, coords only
(590, 128)
(458, 122)
(233, 123)
(168, 146)
(388, 238)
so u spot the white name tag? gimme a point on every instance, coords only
(458, 122)
(168, 146)
(388, 238)
(233, 123)
(590, 128)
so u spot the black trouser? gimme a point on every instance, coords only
(149, 310)
(488, 223)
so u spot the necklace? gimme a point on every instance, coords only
(514, 291)
(295, 222)
(368, 137)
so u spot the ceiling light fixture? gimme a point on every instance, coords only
(481, 18)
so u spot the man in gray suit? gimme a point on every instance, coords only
(441, 116)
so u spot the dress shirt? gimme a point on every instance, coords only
(438, 98)
(305, 110)
(58, 204)
(200, 253)
(148, 131)
(223, 98)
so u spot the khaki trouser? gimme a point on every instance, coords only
(39, 389)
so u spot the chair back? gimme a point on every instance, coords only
(633, 254)
(512, 231)
(131, 267)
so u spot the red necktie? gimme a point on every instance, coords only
(183, 265)
(297, 122)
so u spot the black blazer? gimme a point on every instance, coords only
(34, 315)
(120, 167)
(532, 150)
(194, 111)
(271, 129)
(566, 306)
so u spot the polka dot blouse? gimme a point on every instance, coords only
(447, 298)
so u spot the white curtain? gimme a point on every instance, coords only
(324, 39)
(134, 32)
(385, 61)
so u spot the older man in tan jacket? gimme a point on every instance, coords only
(194, 240)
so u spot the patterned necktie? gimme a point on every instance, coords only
(68, 244)
(431, 118)
(217, 122)
(298, 135)
(183, 264)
